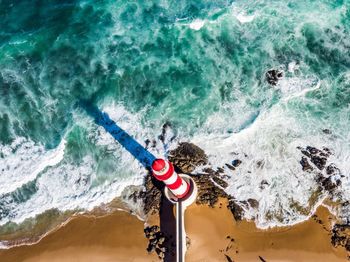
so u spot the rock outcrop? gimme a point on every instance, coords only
(273, 76)
(315, 161)
(157, 241)
(341, 236)
(236, 209)
(211, 183)
(187, 156)
(151, 195)
(208, 191)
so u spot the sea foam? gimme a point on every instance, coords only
(23, 160)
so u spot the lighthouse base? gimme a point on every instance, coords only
(190, 196)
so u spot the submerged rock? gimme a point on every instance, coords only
(273, 76)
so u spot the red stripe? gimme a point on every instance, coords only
(168, 174)
(176, 184)
(184, 194)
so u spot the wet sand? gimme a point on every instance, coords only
(115, 237)
(213, 233)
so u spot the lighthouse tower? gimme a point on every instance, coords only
(163, 170)
(180, 190)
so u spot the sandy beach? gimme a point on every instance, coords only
(115, 237)
(214, 235)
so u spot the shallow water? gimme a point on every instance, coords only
(199, 66)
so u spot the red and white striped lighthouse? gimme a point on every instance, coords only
(163, 170)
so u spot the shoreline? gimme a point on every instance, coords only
(213, 233)
(116, 236)
(243, 241)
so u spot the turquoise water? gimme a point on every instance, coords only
(197, 65)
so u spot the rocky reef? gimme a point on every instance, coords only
(328, 177)
(316, 161)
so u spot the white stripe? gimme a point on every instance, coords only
(181, 190)
(163, 171)
(171, 180)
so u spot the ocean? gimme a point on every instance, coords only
(197, 66)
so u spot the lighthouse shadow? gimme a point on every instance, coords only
(168, 227)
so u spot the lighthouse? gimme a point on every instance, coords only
(163, 170)
(180, 190)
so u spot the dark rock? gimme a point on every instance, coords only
(328, 183)
(229, 259)
(319, 162)
(161, 240)
(187, 156)
(150, 248)
(150, 231)
(160, 250)
(273, 76)
(161, 256)
(305, 164)
(316, 156)
(327, 131)
(332, 170)
(236, 162)
(153, 241)
(329, 177)
(188, 242)
(163, 135)
(154, 143)
(327, 150)
(253, 203)
(231, 167)
(221, 170)
(236, 210)
(157, 241)
(341, 236)
(208, 191)
(263, 184)
(220, 182)
(147, 142)
(262, 259)
(152, 195)
(209, 171)
(260, 164)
